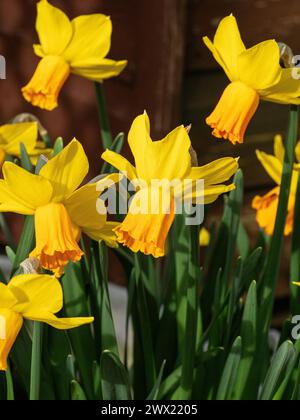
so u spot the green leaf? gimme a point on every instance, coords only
(154, 393)
(116, 147)
(191, 326)
(83, 344)
(274, 256)
(7, 232)
(243, 242)
(277, 370)
(10, 254)
(295, 257)
(26, 243)
(25, 159)
(230, 371)
(244, 387)
(10, 396)
(114, 378)
(58, 146)
(77, 392)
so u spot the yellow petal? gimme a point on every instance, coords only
(36, 291)
(297, 151)
(98, 69)
(58, 323)
(229, 44)
(7, 299)
(279, 148)
(271, 165)
(259, 66)
(82, 204)
(204, 237)
(11, 135)
(218, 58)
(91, 38)
(66, 170)
(165, 159)
(54, 28)
(215, 172)
(22, 191)
(38, 50)
(286, 91)
(211, 193)
(104, 233)
(120, 163)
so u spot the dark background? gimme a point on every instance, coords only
(170, 74)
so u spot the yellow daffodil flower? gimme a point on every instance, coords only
(11, 135)
(266, 206)
(30, 296)
(204, 237)
(254, 74)
(61, 210)
(79, 46)
(166, 160)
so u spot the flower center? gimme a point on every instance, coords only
(56, 238)
(234, 111)
(10, 325)
(46, 83)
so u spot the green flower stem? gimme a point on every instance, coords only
(273, 262)
(36, 360)
(103, 116)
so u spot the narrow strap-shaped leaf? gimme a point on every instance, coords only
(230, 371)
(114, 378)
(154, 393)
(25, 159)
(77, 392)
(103, 116)
(295, 257)
(244, 387)
(277, 370)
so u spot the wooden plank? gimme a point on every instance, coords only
(258, 20)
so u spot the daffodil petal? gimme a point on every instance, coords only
(120, 163)
(271, 164)
(66, 170)
(259, 66)
(37, 291)
(105, 233)
(7, 299)
(211, 193)
(297, 151)
(287, 90)
(229, 44)
(54, 28)
(218, 58)
(11, 135)
(21, 189)
(58, 323)
(215, 172)
(38, 50)
(98, 69)
(82, 204)
(170, 157)
(279, 151)
(91, 38)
